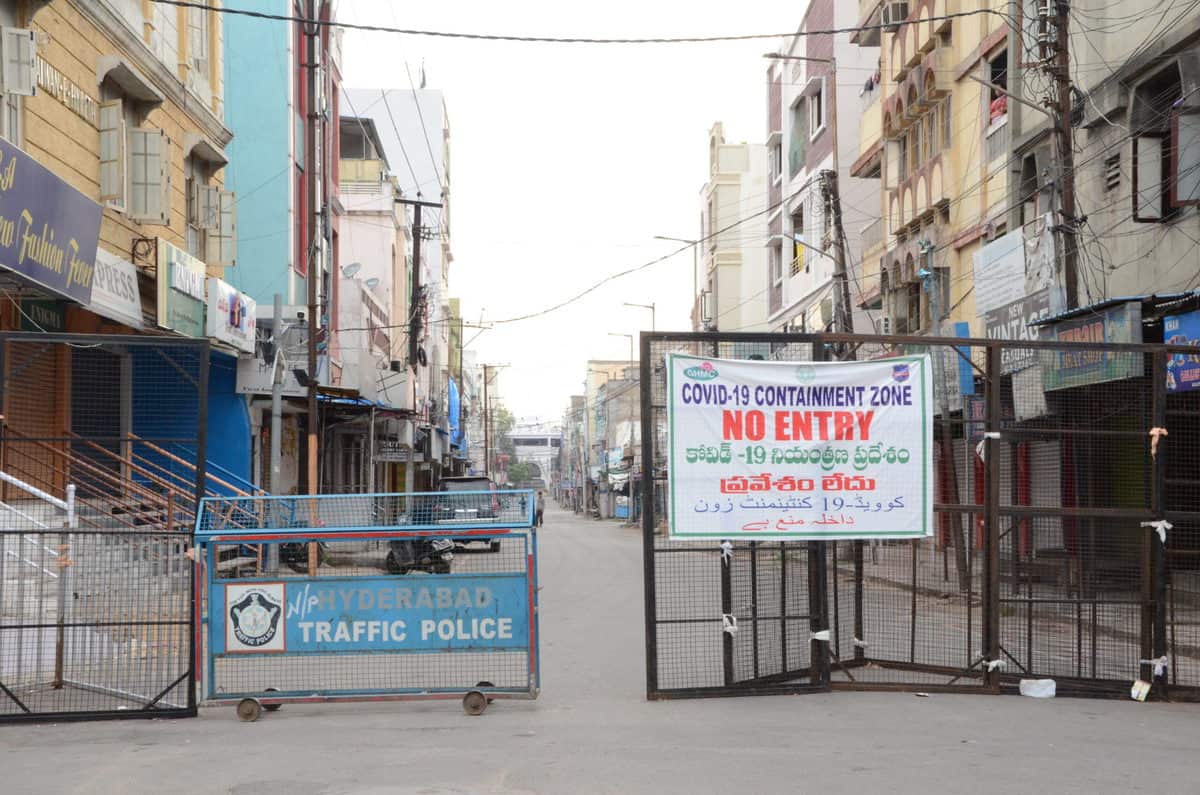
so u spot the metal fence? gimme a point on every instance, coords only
(370, 597)
(97, 504)
(1052, 479)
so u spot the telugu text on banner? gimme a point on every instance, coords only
(800, 450)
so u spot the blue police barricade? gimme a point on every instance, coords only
(369, 597)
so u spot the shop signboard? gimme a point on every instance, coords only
(230, 315)
(115, 293)
(1183, 370)
(180, 290)
(48, 230)
(1064, 369)
(1012, 322)
(816, 450)
(41, 315)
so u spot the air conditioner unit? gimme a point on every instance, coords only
(895, 12)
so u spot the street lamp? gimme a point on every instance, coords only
(695, 244)
(630, 337)
(645, 306)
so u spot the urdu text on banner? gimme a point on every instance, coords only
(800, 450)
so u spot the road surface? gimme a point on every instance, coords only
(592, 731)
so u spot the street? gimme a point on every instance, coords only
(593, 731)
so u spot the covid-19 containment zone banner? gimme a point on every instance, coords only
(814, 450)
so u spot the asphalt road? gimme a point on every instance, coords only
(593, 731)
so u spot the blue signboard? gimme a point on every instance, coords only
(372, 614)
(1073, 368)
(48, 230)
(1183, 370)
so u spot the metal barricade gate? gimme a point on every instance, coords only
(369, 598)
(1066, 538)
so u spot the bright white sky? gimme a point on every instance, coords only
(567, 160)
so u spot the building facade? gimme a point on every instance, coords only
(814, 83)
(936, 133)
(730, 262)
(114, 113)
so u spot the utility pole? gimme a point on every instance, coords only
(277, 370)
(414, 316)
(487, 427)
(1066, 152)
(315, 262)
(932, 285)
(843, 317)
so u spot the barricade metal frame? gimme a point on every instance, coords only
(1118, 603)
(365, 523)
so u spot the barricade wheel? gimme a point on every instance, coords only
(474, 703)
(249, 710)
(486, 684)
(271, 707)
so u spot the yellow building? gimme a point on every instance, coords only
(115, 108)
(939, 140)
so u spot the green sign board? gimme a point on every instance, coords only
(41, 315)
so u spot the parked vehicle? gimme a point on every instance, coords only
(468, 507)
(432, 555)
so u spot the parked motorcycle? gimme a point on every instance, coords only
(431, 555)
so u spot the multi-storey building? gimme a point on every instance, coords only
(731, 259)
(1136, 131)
(815, 101)
(414, 129)
(290, 227)
(112, 113)
(935, 132)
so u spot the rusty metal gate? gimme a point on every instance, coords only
(1054, 478)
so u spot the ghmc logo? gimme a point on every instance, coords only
(705, 372)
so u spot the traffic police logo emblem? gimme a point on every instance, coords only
(255, 617)
(900, 372)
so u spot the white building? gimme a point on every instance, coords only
(803, 117)
(373, 278)
(414, 130)
(537, 442)
(730, 265)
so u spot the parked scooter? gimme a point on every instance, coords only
(431, 555)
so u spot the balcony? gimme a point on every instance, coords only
(920, 193)
(869, 16)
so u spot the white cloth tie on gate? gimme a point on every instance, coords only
(1160, 665)
(981, 448)
(823, 635)
(726, 552)
(860, 644)
(729, 623)
(1155, 434)
(992, 665)
(1161, 527)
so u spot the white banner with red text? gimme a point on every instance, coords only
(800, 450)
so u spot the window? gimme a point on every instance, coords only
(1158, 129)
(18, 52)
(816, 110)
(798, 144)
(903, 158)
(799, 262)
(776, 161)
(1112, 172)
(775, 273)
(912, 307)
(134, 158)
(1028, 189)
(946, 123)
(198, 41)
(997, 98)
